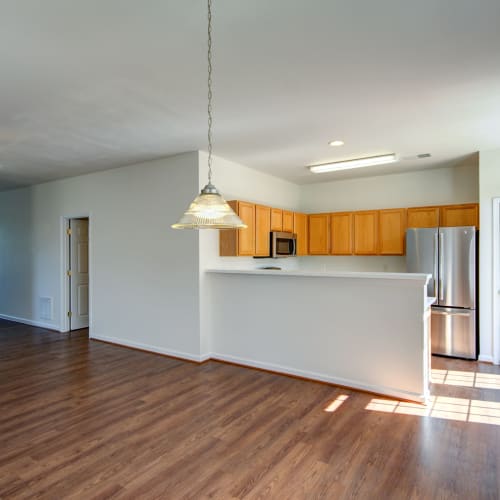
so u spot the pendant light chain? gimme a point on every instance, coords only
(209, 210)
(209, 82)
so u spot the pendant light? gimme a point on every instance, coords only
(209, 210)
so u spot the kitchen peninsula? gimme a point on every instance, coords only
(367, 331)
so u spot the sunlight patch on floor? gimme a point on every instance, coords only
(460, 409)
(334, 405)
(466, 379)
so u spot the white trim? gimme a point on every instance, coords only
(495, 334)
(485, 358)
(387, 391)
(31, 322)
(151, 348)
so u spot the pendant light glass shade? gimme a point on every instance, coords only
(209, 210)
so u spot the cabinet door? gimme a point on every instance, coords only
(246, 237)
(392, 227)
(262, 230)
(276, 219)
(423, 217)
(318, 234)
(341, 233)
(460, 215)
(287, 221)
(366, 232)
(300, 229)
(228, 238)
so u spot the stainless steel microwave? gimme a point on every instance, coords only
(283, 244)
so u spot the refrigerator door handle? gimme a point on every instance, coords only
(440, 313)
(441, 284)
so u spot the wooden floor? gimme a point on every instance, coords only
(84, 419)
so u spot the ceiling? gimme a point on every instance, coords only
(91, 84)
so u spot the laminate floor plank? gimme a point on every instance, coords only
(87, 420)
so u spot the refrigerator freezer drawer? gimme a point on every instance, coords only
(453, 332)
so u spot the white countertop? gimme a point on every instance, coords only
(327, 274)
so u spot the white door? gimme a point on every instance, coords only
(79, 273)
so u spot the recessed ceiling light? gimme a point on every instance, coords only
(355, 163)
(336, 143)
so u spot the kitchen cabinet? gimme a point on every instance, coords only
(318, 234)
(300, 229)
(262, 230)
(235, 242)
(365, 232)
(287, 221)
(391, 231)
(423, 217)
(341, 233)
(460, 215)
(276, 219)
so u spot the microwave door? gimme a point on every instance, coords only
(283, 245)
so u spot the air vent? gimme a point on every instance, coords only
(424, 155)
(46, 308)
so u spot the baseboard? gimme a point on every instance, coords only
(205, 357)
(338, 381)
(31, 322)
(149, 348)
(486, 358)
(270, 367)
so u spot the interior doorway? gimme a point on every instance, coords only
(77, 273)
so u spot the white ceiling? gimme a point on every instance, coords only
(94, 84)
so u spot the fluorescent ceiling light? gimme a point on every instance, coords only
(356, 163)
(337, 142)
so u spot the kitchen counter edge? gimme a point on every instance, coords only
(422, 278)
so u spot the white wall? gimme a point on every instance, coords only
(441, 186)
(489, 188)
(237, 182)
(143, 274)
(457, 184)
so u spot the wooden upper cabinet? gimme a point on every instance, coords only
(300, 229)
(460, 215)
(423, 217)
(318, 234)
(391, 234)
(287, 221)
(365, 232)
(262, 230)
(276, 219)
(341, 233)
(233, 242)
(246, 237)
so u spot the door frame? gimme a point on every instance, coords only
(495, 291)
(64, 258)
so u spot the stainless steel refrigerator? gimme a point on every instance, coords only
(449, 255)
